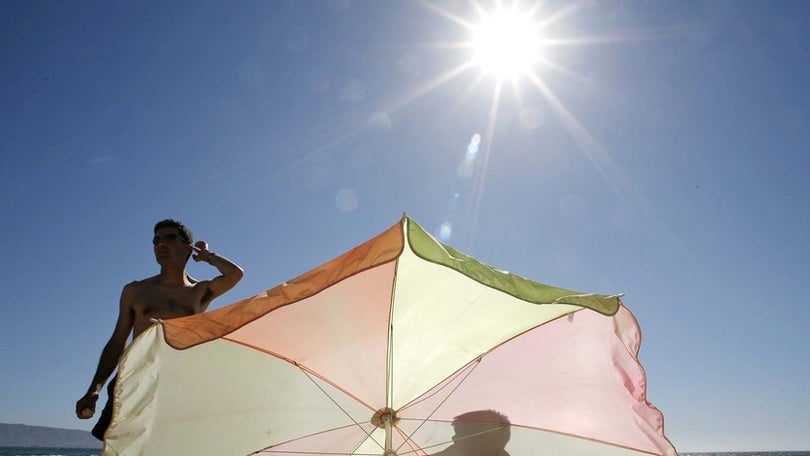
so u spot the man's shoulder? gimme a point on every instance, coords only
(135, 284)
(154, 282)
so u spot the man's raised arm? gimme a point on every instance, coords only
(230, 272)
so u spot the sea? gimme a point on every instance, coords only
(17, 451)
(22, 451)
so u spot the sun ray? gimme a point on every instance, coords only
(593, 151)
(630, 36)
(556, 16)
(429, 86)
(447, 15)
(481, 173)
(562, 70)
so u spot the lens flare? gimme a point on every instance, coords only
(472, 148)
(347, 200)
(445, 231)
(454, 201)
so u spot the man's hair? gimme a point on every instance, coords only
(185, 233)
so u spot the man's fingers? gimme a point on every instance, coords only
(85, 410)
(199, 247)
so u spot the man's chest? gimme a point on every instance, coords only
(163, 302)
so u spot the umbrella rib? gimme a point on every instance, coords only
(466, 368)
(389, 400)
(272, 448)
(389, 365)
(340, 407)
(425, 420)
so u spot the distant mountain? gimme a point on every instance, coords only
(21, 435)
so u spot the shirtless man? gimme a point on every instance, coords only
(172, 293)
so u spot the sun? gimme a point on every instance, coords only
(519, 44)
(506, 43)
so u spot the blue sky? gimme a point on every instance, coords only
(660, 151)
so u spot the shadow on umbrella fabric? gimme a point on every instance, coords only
(479, 433)
(401, 346)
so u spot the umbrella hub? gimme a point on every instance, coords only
(382, 415)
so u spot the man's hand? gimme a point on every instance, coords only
(201, 247)
(86, 406)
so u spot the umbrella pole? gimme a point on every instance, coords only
(389, 451)
(386, 419)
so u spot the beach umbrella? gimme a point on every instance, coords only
(400, 346)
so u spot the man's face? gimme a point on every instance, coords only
(169, 245)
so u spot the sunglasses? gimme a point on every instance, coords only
(166, 238)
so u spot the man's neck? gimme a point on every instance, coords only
(172, 276)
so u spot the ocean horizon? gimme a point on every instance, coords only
(49, 451)
(35, 451)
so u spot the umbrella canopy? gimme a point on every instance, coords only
(400, 346)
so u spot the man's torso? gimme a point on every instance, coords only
(154, 300)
